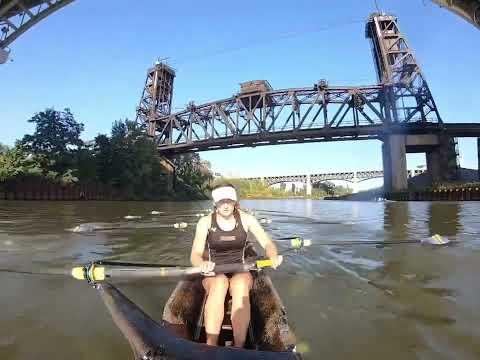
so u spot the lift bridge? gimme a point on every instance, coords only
(399, 110)
(259, 115)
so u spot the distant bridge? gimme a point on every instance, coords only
(350, 176)
(310, 180)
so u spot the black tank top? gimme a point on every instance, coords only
(227, 247)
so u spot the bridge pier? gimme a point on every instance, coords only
(441, 158)
(308, 186)
(394, 163)
(441, 155)
(355, 182)
(169, 171)
(478, 157)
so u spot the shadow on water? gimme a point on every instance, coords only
(444, 219)
(425, 298)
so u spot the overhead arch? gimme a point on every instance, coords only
(17, 16)
(467, 9)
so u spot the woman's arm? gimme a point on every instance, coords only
(198, 247)
(263, 239)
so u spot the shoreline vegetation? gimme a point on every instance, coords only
(53, 162)
(256, 189)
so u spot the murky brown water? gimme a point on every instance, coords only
(428, 308)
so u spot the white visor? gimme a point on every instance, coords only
(223, 193)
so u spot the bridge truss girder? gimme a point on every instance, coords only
(281, 116)
(17, 16)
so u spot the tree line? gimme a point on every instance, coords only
(257, 189)
(126, 159)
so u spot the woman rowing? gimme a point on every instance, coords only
(223, 235)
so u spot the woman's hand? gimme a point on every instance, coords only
(207, 268)
(276, 261)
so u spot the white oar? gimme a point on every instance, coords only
(432, 240)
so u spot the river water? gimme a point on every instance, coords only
(423, 303)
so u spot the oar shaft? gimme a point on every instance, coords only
(143, 272)
(95, 272)
(369, 242)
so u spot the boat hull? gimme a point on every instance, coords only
(171, 337)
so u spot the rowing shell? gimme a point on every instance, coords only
(171, 337)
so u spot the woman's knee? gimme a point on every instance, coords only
(240, 285)
(216, 284)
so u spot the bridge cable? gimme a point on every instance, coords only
(283, 36)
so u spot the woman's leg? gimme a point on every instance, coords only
(240, 285)
(216, 288)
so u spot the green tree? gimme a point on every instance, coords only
(129, 161)
(103, 155)
(55, 140)
(15, 163)
(192, 170)
(328, 187)
(3, 148)
(85, 165)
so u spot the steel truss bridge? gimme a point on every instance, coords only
(401, 103)
(296, 115)
(350, 176)
(17, 16)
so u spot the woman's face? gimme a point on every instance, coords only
(225, 208)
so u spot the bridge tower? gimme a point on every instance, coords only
(406, 100)
(156, 101)
(408, 97)
(308, 185)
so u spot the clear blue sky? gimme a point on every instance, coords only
(92, 57)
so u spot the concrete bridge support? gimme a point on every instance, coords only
(355, 182)
(478, 157)
(169, 171)
(394, 163)
(308, 186)
(441, 158)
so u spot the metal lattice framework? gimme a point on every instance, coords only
(350, 176)
(408, 95)
(156, 100)
(319, 113)
(17, 16)
(282, 116)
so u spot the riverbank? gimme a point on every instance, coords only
(465, 188)
(41, 189)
